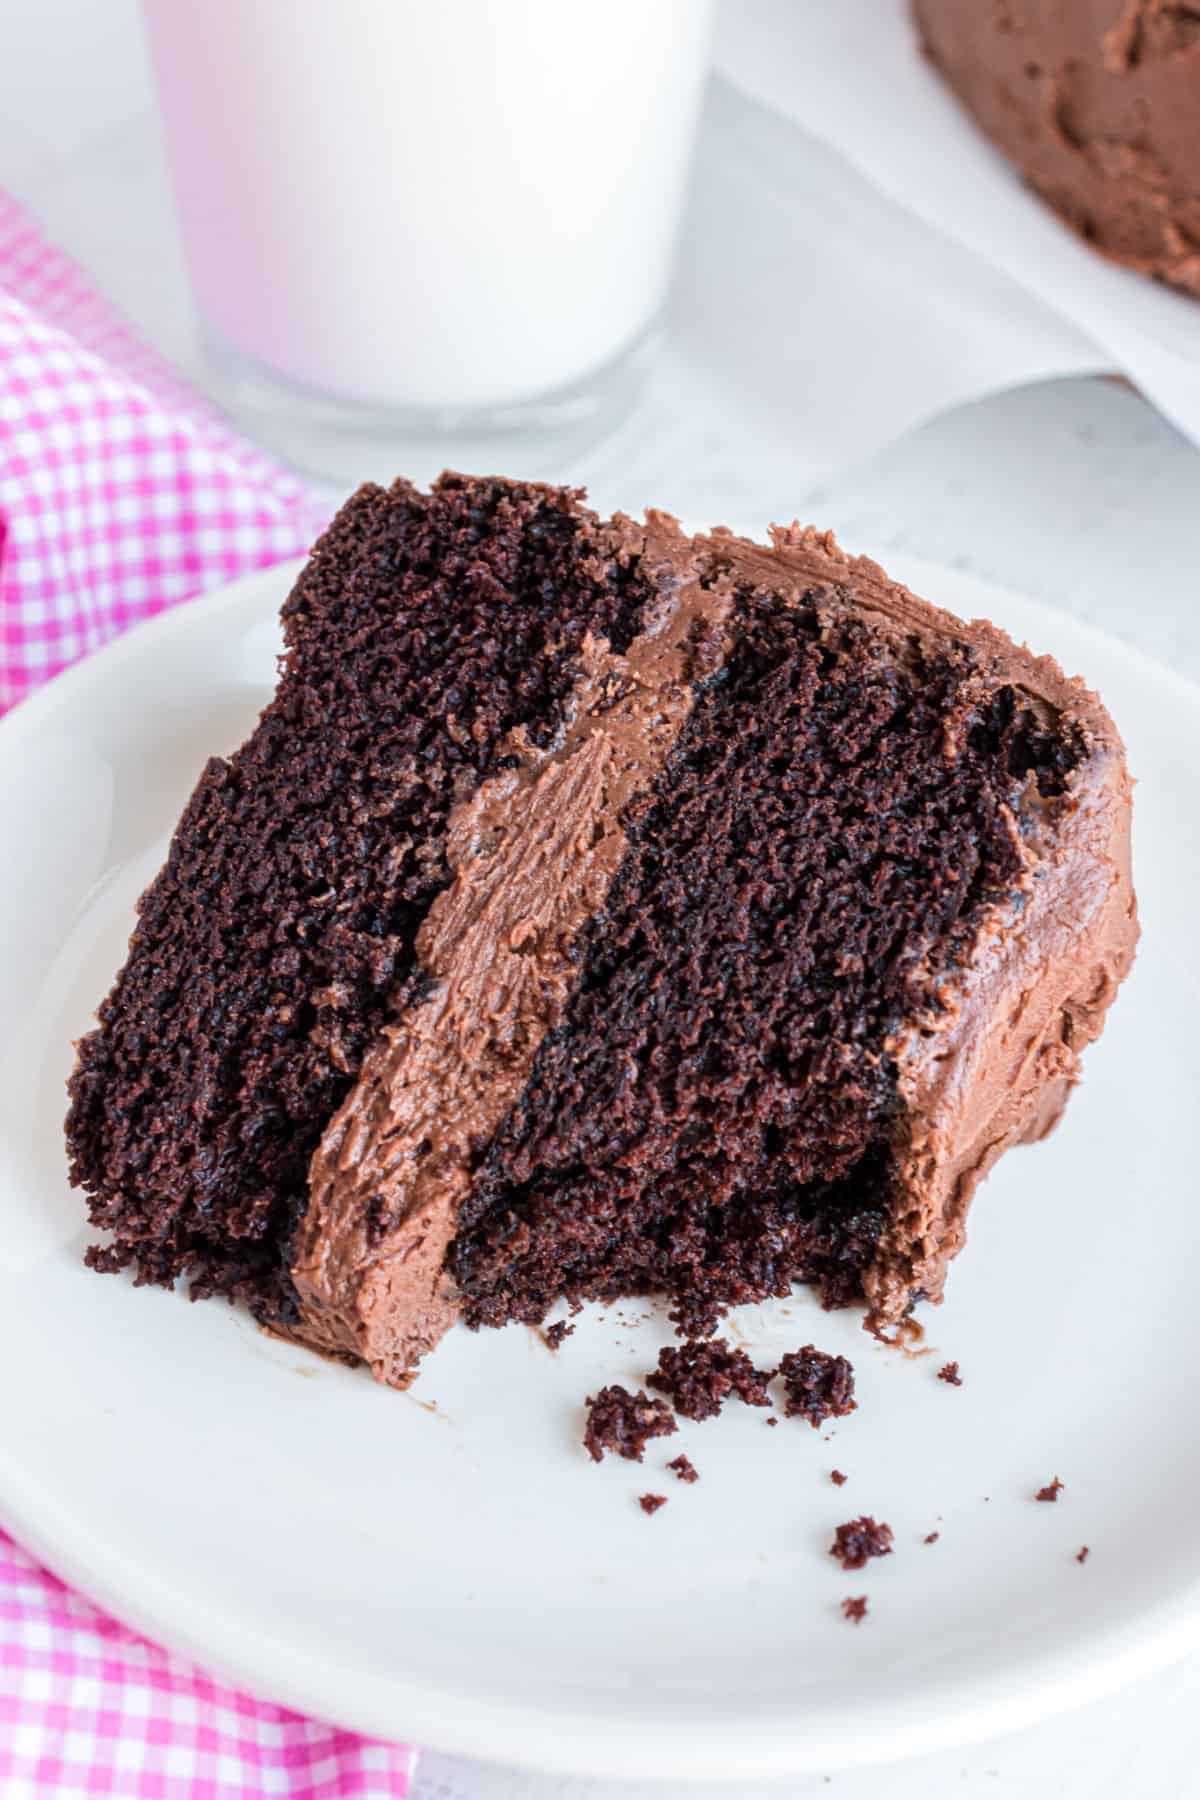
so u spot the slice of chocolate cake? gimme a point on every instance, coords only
(599, 911)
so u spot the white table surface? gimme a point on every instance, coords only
(1071, 491)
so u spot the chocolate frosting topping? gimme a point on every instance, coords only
(1097, 102)
(533, 852)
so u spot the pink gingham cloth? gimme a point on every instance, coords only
(121, 494)
(89, 1708)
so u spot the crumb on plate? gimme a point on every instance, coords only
(858, 1540)
(700, 1377)
(624, 1423)
(817, 1386)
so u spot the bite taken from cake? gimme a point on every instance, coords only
(599, 910)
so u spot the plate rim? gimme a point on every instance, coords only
(561, 1742)
(549, 1744)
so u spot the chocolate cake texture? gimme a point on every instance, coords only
(595, 911)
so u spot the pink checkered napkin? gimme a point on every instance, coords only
(121, 493)
(88, 1708)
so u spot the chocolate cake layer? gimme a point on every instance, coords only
(280, 936)
(599, 911)
(1097, 102)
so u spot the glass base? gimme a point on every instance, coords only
(341, 444)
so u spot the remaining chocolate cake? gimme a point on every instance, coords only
(1097, 102)
(600, 911)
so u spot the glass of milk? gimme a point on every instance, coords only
(427, 219)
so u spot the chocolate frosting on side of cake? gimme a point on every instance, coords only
(533, 852)
(996, 1066)
(993, 1062)
(1097, 102)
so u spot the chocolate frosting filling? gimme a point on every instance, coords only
(533, 851)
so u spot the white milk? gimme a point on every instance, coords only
(429, 203)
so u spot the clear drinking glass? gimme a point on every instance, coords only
(427, 219)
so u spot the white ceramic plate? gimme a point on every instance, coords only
(446, 1565)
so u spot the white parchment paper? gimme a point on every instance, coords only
(849, 73)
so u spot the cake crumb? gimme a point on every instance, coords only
(837, 1478)
(859, 1539)
(1082, 1554)
(650, 1503)
(1051, 1491)
(931, 1537)
(554, 1334)
(684, 1468)
(950, 1375)
(699, 1377)
(772, 1420)
(817, 1386)
(855, 1608)
(624, 1422)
